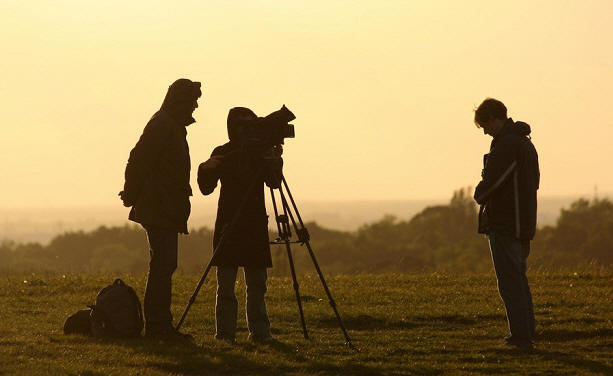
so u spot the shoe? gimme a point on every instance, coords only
(169, 335)
(518, 343)
(228, 340)
(263, 340)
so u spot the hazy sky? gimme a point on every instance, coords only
(383, 91)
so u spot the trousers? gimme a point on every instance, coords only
(163, 263)
(509, 256)
(226, 305)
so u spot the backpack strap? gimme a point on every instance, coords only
(139, 309)
(99, 322)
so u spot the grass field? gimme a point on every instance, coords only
(411, 324)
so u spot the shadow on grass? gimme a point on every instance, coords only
(192, 359)
(447, 319)
(492, 316)
(367, 322)
(569, 360)
(362, 322)
(563, 335)
(576, 361)
(10, 343)
(186, 358)
(580, 320)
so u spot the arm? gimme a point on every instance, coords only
(209, 172)
(142, 160)
(500, 163)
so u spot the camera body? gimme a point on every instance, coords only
(270, 130)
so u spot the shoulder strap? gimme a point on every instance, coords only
(139, 310)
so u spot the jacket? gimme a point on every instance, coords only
(157, 175)
(507, 193)
(241, 213)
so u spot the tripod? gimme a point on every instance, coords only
(283, 226)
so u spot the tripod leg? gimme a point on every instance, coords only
(296, 289)
(274, 205)
(330, 298)
(192, 299)
(283, 233)
(302, 230)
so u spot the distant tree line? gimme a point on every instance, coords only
(439, 238)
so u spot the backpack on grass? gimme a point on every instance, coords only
(117, 312)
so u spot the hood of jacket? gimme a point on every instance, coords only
(514, 127)
(180, 99)
(238, 117)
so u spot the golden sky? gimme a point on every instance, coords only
(383, 91)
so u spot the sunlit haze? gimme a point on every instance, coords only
(383, 91)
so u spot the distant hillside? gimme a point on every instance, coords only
(41, 225)
(438, 238)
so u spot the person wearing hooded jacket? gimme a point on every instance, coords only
(507, 195)
(242, 171)
(157, 189)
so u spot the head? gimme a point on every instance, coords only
(238, 118)
(182, 100)
(491, 115)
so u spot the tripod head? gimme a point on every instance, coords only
(283, 219)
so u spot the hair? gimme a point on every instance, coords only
(489, 110)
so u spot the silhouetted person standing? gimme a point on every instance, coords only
(157, 188)
(242, 169)
(507, 195)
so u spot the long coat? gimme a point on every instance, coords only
(242, 174)
(157, 175)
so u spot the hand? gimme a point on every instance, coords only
(277, 151)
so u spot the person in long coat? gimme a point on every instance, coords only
(241, 228)
(158, 190)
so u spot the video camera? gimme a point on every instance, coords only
(270, 130)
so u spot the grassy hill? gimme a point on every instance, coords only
(403, 324)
